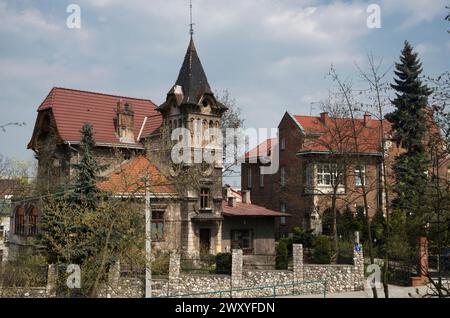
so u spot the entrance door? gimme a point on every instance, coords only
(205, 242)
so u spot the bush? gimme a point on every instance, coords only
(223, 263)
(160, 264)
(322, 250)
(302, 236)
(281, 260)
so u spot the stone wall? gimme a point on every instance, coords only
(302, 279)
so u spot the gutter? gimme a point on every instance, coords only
(74, 149)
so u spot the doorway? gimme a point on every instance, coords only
(205, 242)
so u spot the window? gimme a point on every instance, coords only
(204, 198)
(242, 239)
(157, 226)
(283, 176)
(249, 176)
(261, 179)
(19, 221)
(360, 171)
(327, 174)
(2, 232)
(32, 221)
(283, 143)
(283, 218)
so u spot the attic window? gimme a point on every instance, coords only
(205, 103)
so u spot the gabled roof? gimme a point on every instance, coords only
(263, 149)
(72, 108)
(336, 134)
(126, 179)
(192, 77)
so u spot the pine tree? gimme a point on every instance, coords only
(409, 129)
(85, 185)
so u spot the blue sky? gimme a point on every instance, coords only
(272, 55)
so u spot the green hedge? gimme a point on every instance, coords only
(281, 260)
(223, 263)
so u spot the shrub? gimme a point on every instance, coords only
(302, 236)
(322, 250)
(281, 260)
(160, 264)
(223, 263)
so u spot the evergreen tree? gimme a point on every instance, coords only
(409, 129)
(85, 185)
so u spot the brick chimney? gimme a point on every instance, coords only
(324, 117)
(125, 121)
(367, 119)
(246, 197)
(232, 202)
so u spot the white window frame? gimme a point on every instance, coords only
(326, 173)
(283, 176)
(283, 143)
(283, 210)
(358, 170)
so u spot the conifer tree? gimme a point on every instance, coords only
(87, 170)
(409, 129)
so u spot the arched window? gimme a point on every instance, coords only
(19, 221)
(32, 221)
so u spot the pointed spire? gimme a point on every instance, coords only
(191, 31)
(192, 77)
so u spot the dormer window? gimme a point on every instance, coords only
(205, 103)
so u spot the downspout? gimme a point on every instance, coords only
(76, 150)
(78, 157)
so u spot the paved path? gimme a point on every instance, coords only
(394, 292)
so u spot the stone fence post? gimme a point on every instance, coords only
(174, 266)
(52, 280)
(297, 260)
(358, 267)
(236, 268)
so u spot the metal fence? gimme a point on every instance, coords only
(267, 291)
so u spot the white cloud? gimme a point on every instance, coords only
(416, 11)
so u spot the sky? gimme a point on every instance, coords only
(271, 55)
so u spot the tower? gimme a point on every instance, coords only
(191, 104)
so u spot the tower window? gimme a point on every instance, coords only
(204, 198)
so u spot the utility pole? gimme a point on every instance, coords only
(148, 241)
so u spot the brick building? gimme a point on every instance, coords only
(312, 153)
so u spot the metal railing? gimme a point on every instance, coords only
(273, 291)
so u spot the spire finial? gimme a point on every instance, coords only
(191, 31)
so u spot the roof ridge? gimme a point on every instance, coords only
(98, 93)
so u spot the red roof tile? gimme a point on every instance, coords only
(72, 108)
(245, 209)
(127, 178)
(263, 149)
(336, 134)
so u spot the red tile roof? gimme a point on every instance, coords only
(72, 108)
(263, 149)
(245, 209)
(336, 134)
(127, 178)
